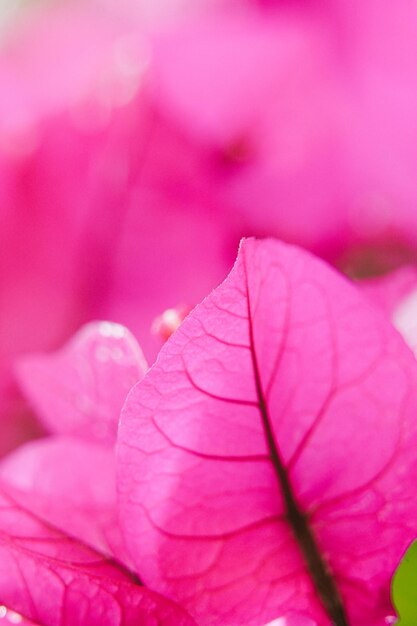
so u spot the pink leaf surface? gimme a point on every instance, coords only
(71, 484)
(246, 450)
(322, 149)
(55, 581)
(81, 389)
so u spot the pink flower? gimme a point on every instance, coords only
(50, 157)
(129, 171)
(396, 294)
(266, 462)
(309, 119)
(246, 452)
(78, 392)
(58, 494)
(95, 221)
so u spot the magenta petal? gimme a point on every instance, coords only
(285, 370)
(404, 318)
(396, 294)
(277, 146)
(390, 290)
(80, 390)
(71, 484)
(54, 580)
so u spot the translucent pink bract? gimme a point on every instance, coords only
(56, 581)
(389, 290)
(69, 483)
(284, 343)
(80, 390)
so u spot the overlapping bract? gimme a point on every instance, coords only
(91, 174)
(81, 389)
(71, 484)
(78, 392)
(116, 143)
(125, 180)
(286, 344)
(54, 580)
(59, 531)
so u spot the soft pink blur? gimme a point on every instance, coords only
(308, 109)
(140, 140)
(97, 219)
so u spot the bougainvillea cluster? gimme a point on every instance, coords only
(197, 431)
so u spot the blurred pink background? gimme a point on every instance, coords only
(140, 140)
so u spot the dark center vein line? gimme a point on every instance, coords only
(316, 564)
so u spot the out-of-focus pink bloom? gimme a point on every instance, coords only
(308, 110)
(171, 252)
(396, 295)
(97, 218)
(404, 318)
(105, 187)
(59, 73)
(68, 483)
(251, 89)
(78, 394)
(165, 13)
(128, 173)
(390, 290)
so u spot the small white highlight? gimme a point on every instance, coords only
(10, 616)
(111, 329)
(405, 320)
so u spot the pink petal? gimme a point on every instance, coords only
(54, 580)
(404, 318)
(321, 150)
(17, 422)
(396, 294)
(174, 229)
(81, 389)
(284, 371)
(54, 172)
(276, 153)
(390, 290)
(91, 178)
(71, 484)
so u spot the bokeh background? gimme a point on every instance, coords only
(141, 139)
